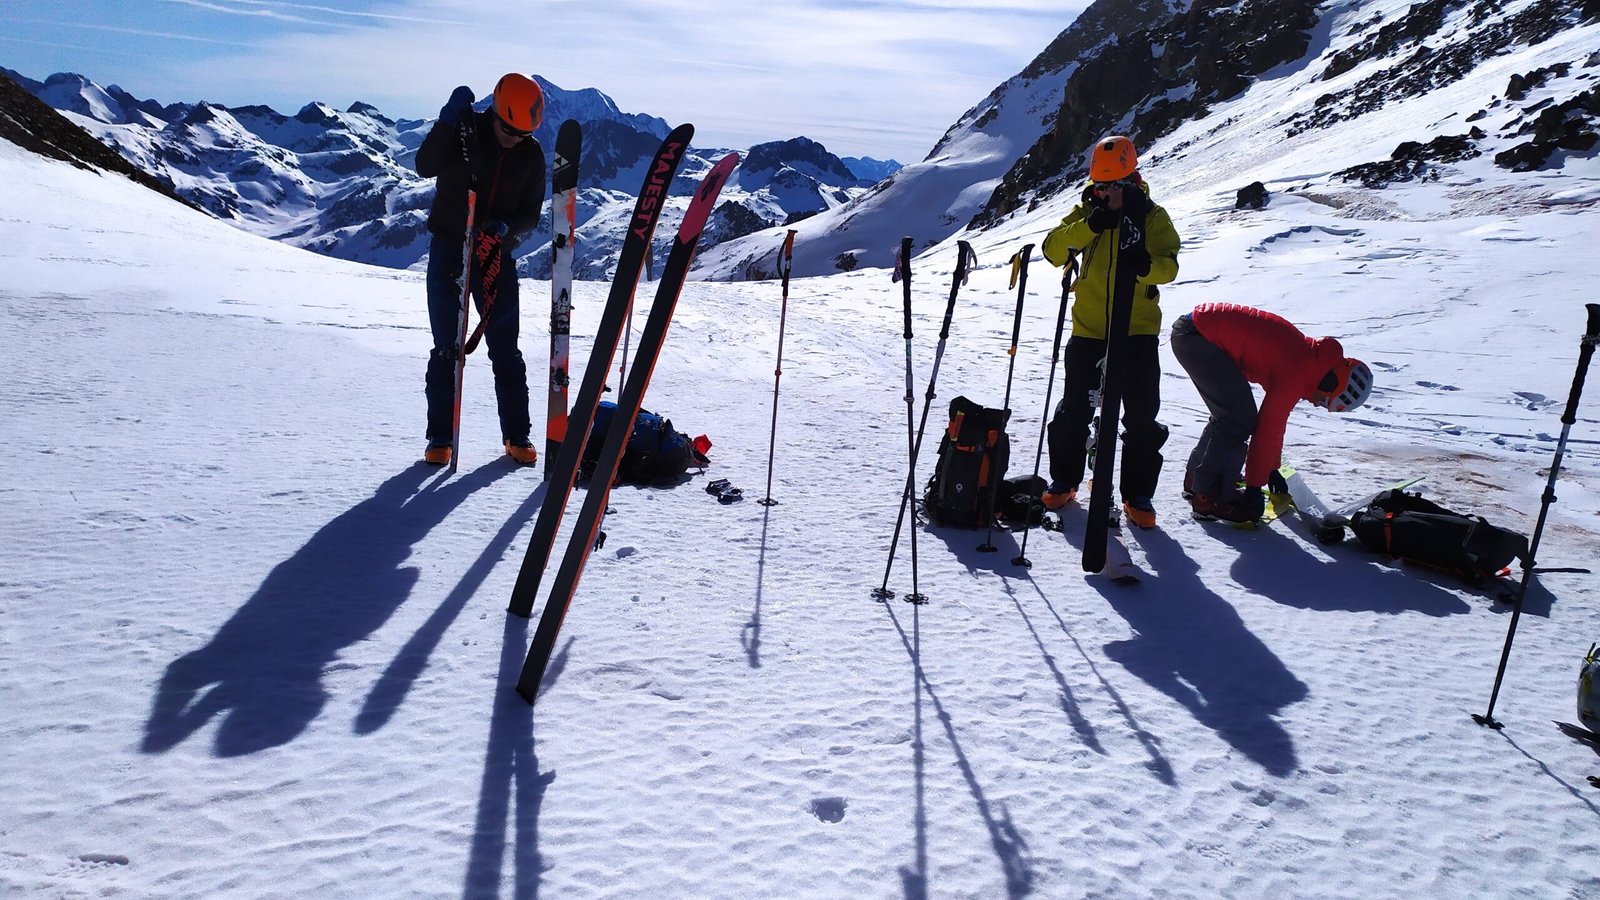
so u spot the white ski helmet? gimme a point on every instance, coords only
(1589, 691)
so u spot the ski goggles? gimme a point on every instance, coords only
(1103, 188)
(511, 132)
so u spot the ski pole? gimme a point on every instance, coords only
(1019, 280)
(1068, 276)
(964, 260)
(785, 265)
(902, 273)
(1585, 353)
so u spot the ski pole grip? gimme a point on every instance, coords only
(904, 262)
(1585, 353)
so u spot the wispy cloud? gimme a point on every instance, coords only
(288, 12)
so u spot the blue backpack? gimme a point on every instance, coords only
(656, 453)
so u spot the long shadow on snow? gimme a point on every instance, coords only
(512, 784)
(262, 672)
(1191, 645)
(1272, 564)
(750, 634)
(1069, 700)
(1158, 765)
(1009, 847)
(392, 686)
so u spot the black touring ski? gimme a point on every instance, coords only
(1129, 235)
(621, 428)
(564, 226)
(635, 246)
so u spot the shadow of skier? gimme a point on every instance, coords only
(1191, 645)
(512, 785)
(1272, 564)
(392, 686)
(262, 672)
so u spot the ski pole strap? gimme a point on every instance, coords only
(786, 257)
(1585, 353)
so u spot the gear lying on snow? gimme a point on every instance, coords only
(1412, 528)
(657, 454)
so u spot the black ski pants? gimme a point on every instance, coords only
(500, 336)
(1142, 435)
(1217, 462)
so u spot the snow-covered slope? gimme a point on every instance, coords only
(1228, 93)
(249, 647)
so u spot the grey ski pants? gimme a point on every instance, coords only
(1217, 461)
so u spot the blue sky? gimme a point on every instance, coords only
(877, 78)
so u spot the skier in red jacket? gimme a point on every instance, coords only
(1225, 348)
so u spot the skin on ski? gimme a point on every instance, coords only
(564, 224)
(461, 330)
(630, 264)
(594, 505)
(1129, 234)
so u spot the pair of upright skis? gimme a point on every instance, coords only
(564, 213)
(575, 424)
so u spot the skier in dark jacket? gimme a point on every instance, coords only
(1225, 348)
(1115, 187)
(492, 152)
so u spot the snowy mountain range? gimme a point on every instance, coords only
(341, 182)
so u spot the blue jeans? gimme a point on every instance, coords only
(500, 336)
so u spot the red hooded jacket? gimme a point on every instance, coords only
(1273, 353)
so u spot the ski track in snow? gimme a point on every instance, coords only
(249, 647)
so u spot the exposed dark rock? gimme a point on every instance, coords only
(732, 220)
(1252, 196)
(1573, 125)
(1427, 68)
(1217, 47)
(26, 121)
(1412, 161)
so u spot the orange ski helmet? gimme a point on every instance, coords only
(1353, 385)
(519, 102)
(1113, 159)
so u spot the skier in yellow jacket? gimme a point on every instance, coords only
(1115, 187)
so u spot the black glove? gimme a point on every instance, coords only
(1137, 257)
(458, 107)
(1248, 505)
(1101, 218)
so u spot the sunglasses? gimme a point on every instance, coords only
(511, 132)
(1104, 187)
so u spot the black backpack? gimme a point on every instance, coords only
(656, 453)
(973, 454)
(1412, 528)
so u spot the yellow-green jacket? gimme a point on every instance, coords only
(1091, 307)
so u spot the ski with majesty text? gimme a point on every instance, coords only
(1130, 237)
(564, 225)
(635, 247)
(621, 427)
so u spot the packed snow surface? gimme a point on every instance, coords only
(251, 647)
